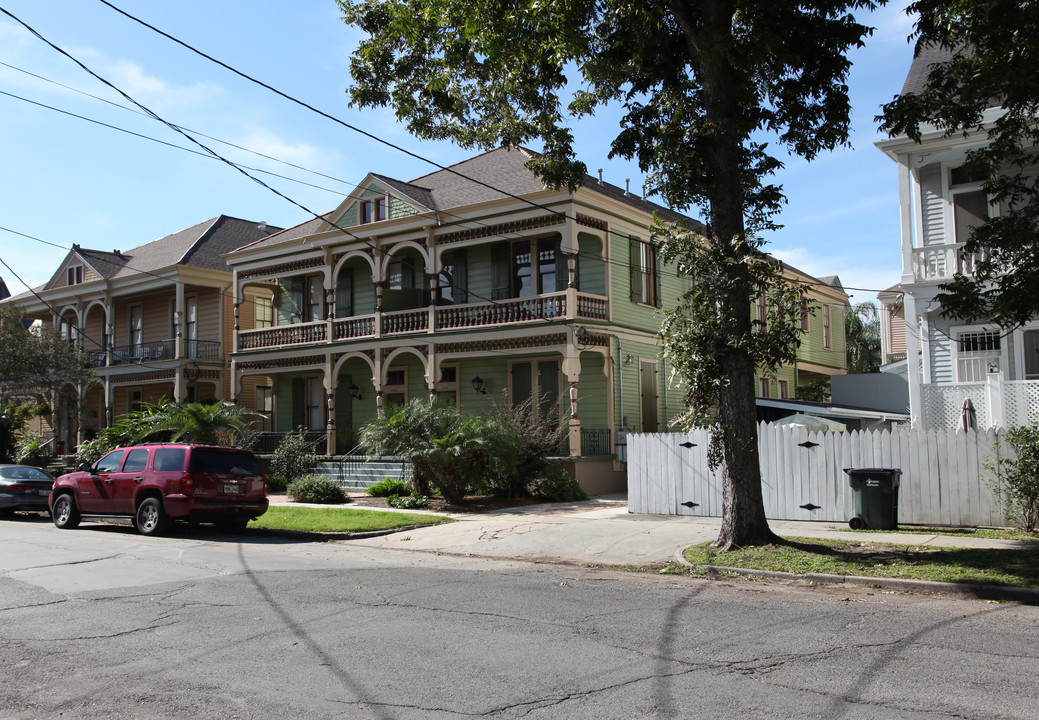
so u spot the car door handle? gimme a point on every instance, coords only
(108, 481)
(138, 479)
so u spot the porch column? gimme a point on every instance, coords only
(434, 286)
(379, 285)
(330, 408)
(994, 393)
(237, 311)
(236, 383)
(916, 417)
(109, 402)
(572, 370)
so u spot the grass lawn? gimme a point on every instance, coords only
(1019, 568)
(990, 533)
(308, 519)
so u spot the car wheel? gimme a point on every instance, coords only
(6, 512)
(65, 513)
(151, 517)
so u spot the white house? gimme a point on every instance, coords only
(997, 370)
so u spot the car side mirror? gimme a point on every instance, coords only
(84, 467)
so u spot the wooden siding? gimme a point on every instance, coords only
(943, 369)
(932, 205)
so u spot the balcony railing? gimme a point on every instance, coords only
(282, 335)
(942, 262)
(156, 351)
(449, 317)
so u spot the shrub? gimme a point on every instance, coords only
(387, 487)
(536, 434)
(28, 447)
(293, 457)
(407, 502)
(1017, 477)
(277, 483)
(316, 489)
(560, 487)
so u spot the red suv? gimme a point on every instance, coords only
(155, 484)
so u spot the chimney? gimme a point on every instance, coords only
(626, 181)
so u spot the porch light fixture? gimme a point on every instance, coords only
(478, 385)
(355, 392)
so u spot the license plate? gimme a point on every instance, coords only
(230, 489)
(45, 493)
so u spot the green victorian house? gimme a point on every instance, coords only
(477, 284)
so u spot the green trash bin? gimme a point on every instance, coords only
(875, 493)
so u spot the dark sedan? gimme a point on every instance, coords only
(23, 487)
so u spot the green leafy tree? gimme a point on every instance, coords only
(700, 86)
(36, 361)
(991, 51)
(1017, 476)
(862, 338)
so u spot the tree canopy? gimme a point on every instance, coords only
(993, 52)
(36, 358)
(702, 88)
(862, 338)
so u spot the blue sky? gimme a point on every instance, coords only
(65, 180)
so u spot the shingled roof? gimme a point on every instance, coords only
(197, 246)
(926, 56)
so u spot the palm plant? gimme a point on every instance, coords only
(209, 424)
(862, 338)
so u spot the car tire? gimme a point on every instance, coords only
(65, 513)
(151, 517)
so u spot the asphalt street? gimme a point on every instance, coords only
(103, 623)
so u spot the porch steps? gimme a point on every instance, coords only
(357, 474)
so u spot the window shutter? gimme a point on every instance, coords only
(657, 300)
(501, 266)
(299, 409)
(345, 294)
(562, 275)
(460, 278)
(635, 269)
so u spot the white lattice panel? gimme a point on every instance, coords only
(1021, 402)
(943, 404)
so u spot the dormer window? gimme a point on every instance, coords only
(373, 210)
(75, 275)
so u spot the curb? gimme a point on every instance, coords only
(1026, 596)
(316, 536)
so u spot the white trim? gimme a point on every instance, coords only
(1018, 336)
(954, 333)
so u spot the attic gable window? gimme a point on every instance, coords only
(373, 210)
(74, 275)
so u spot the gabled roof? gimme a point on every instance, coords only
(198, 246)
(494, 175)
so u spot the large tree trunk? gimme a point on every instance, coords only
(743, 509)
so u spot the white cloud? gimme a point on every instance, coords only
(156, 93)
(861, 279)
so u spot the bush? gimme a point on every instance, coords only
(316, 489)
(560, 487)
(293, 458)
(407, 502)
(1017, 477)
(536, 434)
(277, 483)
(28, 447)
(387, 487)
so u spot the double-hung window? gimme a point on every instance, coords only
(644, 271)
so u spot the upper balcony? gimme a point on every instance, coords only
(510, 312)
(944, 261)
(157, 351)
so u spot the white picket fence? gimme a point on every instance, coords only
(944, 479)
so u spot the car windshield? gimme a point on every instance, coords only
(23, 473)
(227, 463)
